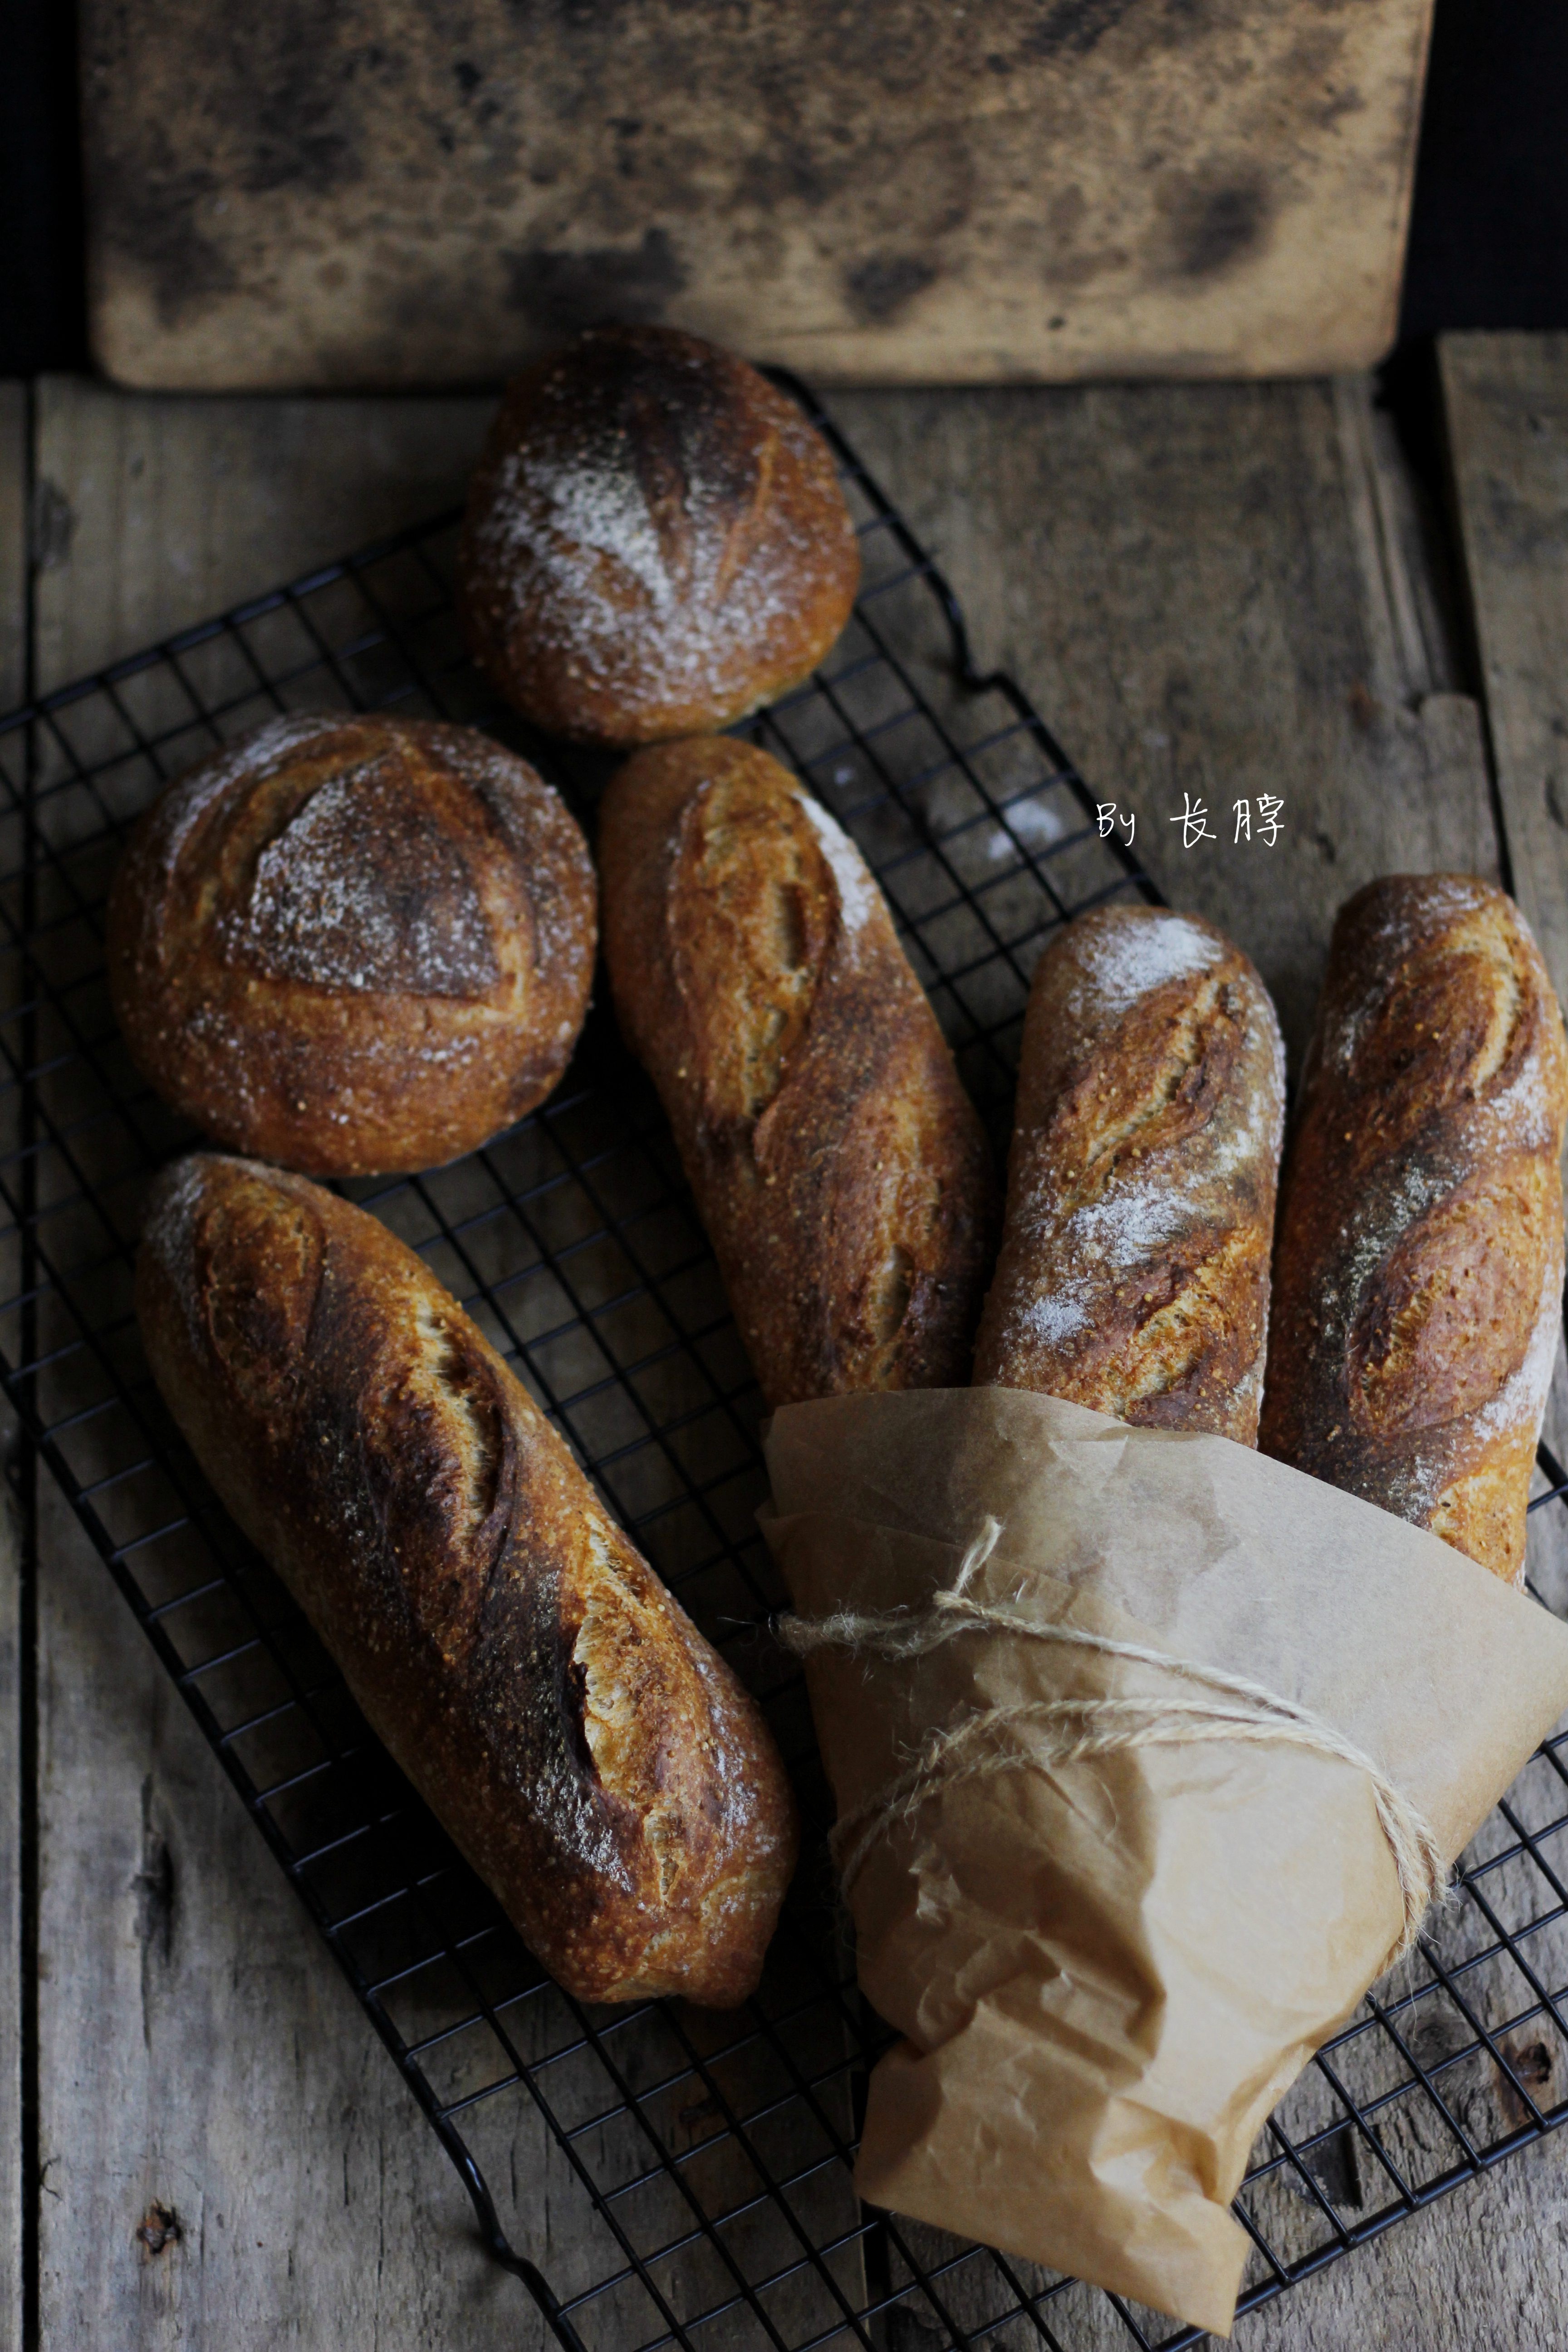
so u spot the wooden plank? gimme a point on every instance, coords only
(198, 2052)
(435, 191)
(1506, 399)
(14, 1828)
(199, 2056)
(1232, 571)
(1224, 589)
(1212, 592)
(1506, 409)
(154, 514)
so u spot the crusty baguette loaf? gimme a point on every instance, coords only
(1417, 1291)
(837, 1163)
(1133, 1276)
(594, 1758)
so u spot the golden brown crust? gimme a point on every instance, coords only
(1417, 1290)
(598, 1763)
(1133, 1276)
(837, 1162)
(655, 541)
(353, 946)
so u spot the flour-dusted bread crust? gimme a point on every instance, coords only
(598, 1764)
(353, 945)
(655, 541)
(838, 1165)
(1417, 1294)
(1133, 1276)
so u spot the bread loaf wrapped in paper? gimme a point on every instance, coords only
(1147, 1752)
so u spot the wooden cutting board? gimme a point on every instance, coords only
(391, 193)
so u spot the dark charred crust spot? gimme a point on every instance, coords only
(1216, 221)
(880, 288)
(147, 206)
(1073, 27)
(561, 292)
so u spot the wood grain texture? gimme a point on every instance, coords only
(1225, 590)
(1235, 571)
(13, 680)
(1506, 398)
(409, 191)
(199, 2053)
(200, 2057)
(1214, 592)
(153, 514)
(197, 2049)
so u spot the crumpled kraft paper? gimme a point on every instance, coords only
(1106, 1974)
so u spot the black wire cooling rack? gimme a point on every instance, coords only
(702, 2162)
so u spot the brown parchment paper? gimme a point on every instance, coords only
(1108, 1975)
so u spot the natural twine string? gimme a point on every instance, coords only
(1046, 1733)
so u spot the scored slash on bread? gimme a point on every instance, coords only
(655, 542)
(597, 1763)
(353, 945)
(1133, 1274)
(839, 1166)
(1419, 1276)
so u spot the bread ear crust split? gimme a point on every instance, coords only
(594, 1759)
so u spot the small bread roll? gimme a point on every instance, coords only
(1418, 1289)
(837, 1163)
(655, 541)
(597, 1763)
(353, 946)
(1134, 1269)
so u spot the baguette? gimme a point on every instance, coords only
(1418, 1287)
(600, 1767)
(837, 1163)
(1133, 1274)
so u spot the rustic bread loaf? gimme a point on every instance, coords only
(1417, 1292)
(655, 541)
(594, 1758)
(1133, 1274)
(837, 1163)
(353, 945)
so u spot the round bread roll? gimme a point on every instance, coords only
(656, 541)
(353, 946)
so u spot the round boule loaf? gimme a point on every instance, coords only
(353, 945)
(655, 541)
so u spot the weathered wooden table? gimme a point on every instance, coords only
(1216, 592)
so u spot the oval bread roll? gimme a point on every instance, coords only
(354, 945)
(1133, 1276)
(655, 541)
(597, 1763)
(838, 1165)
(1417, 1294)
